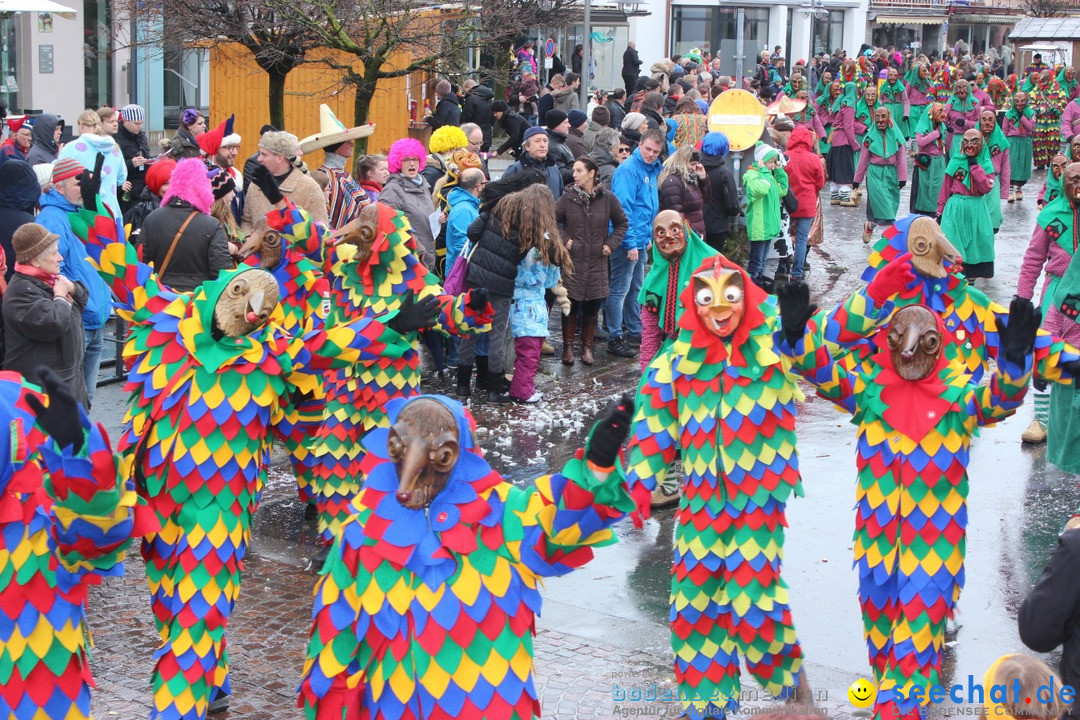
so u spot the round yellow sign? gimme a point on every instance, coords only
(739, 115)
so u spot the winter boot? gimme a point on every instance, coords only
(547, 348)
(464, 381)
(1019, 195)
(834, 198)
(569, 329)
(498, 388)
(1012, 196)
(848, 200)
(588, 335)
(867, 233)
(481, 372)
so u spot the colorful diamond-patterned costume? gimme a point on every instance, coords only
(429, 613)
(913, 447)
(356, 397)
(969, 316)
(65, 521)
(197, 437)
(728, 408)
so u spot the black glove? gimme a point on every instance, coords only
(781, 247)
(1042, 384)
(937, 219)
(1017, 338)
(267, 183)
(854, 186)
(903, 183)
(960, 122)
(90, 184)
(609, 433)
(795, 310)
(972, 159)
(415, 315)
(61, 420)
(478, 299)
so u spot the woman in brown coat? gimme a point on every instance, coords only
(583, 213)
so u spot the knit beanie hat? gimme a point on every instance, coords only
(30, 240)
(280, 142)
(66, 168)
(633, 121)
(499, 106)
(132, 113)
(534, 130)
(554, 118)
(764, 153)
(221, 182)
(577, 118)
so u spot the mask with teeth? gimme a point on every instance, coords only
(719, 298)
(669, 234)
(1070, 184)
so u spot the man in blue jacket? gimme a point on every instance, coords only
(65, 197)
(634, 184)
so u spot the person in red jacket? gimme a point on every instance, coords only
(806, 178)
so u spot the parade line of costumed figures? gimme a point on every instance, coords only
(426, 607)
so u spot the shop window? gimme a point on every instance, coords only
(692, 27)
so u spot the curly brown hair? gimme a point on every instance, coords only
(531, 212)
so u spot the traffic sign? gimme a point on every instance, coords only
(549, 47)
(738, 115)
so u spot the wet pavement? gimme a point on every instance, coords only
(604, 627)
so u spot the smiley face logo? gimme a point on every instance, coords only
(862, 693)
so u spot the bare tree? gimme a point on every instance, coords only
(277, 44)
(1048, 8)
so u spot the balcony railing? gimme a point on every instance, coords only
(950, 6)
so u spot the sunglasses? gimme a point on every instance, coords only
(624, 150)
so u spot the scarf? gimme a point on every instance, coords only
(894, 89)
(844, 99)
(997, 142)
(1013, 116)
(911, 77)
(865, 112)
(965, 107)
(958, 165)
(1064, 84)
(884, 144)
(35, 272)
(1053, 188)
(667, 279)
(334, 161)
(1058, 220)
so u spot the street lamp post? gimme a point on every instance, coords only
(812, 10)
(586, 55)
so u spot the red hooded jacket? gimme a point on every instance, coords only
(806, 174)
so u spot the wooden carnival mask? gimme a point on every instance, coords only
(423, 444)
(914, 342)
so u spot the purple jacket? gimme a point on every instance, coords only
(867, 158)
(1041, 251)
(1003, 169)
(971, 120)
(985, 101)
(928, 143)
(981, 183)
(844, 128)
(917, 97)
(1070, 120)
(1026, 128)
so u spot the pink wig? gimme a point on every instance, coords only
(189, 182)
(403, 148)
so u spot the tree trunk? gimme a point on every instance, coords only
(365, 90)
(277, 97)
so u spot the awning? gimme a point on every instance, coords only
(46, 6)
(908, 20)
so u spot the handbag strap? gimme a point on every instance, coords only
(176, 239)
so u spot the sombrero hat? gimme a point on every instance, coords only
(786, 106)
(333, 132)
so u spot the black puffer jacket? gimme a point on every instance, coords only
(515, 126)
(494, 262)
(40, 329)
(130, 146)
(201, 252)
(477, 109)
(447, 112)
(686, 198)
(19, 192)
(723, 203)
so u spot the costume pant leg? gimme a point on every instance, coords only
(296, 430)
(757, 597)
(199, 590)
(706, 661)
(336, 454)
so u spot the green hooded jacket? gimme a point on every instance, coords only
(764, 189)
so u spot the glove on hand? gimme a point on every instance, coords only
(795, 310)
(267, 183)
(415, 315)
(61, 420)
(610, 433)
(1017, 338)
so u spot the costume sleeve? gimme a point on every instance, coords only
(1005, 175)
(944, 193)
(1051, 352)
(925, 140)
(856, 318)
(455, 315)
(134, 285)
(812, 359)
(1036, 255)
(981, 181)
(92, 508)
(363, 340)
(299, 230)
(1004, 394)
(1047, 613)
(564, 516)
(654, 434)
(864, 163)
(901, 163)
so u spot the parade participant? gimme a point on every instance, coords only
(978, 91)
(920, 90)
(1066, 79)
(840, 161)
(999, 94)
(883, 164)
(67, 520)
(1070, 120)
(930, 160)
(475, 547)
(210, 374)
(910, 405)
(1048, 100)
(962, 111)
(679, 252)
(696, 399)
(894, 97)
(962, 209)
(808, 118)
(998, 147)
(864, 112)
(765, 182)
(590, 244)
(827, 120)
(1052, 247)
(347, 198)
(822, 89)
(1062, 220)
(1019, 127)
(1052, 187)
